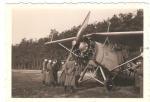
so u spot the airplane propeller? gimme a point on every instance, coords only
(83, 26)
(79, 34)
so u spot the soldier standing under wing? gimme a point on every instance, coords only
(77, 73)
(70, 76)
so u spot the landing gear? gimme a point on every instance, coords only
(109, 84)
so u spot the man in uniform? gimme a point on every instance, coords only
(78, 71)
(44, 65)
(70, 76)
(61, 76)
(49, 74)
(56, 67)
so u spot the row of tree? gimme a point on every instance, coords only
(29, 54)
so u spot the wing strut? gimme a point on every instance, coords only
(107, 36)
(141, 55)
(67, 49)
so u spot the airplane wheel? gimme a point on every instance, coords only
(109, 84)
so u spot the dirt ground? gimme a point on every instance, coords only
(27, 84)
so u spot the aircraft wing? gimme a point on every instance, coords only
(117, 36)
(61, 40)
(117, 33)
(131, 38)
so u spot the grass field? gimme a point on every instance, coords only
(27, 84)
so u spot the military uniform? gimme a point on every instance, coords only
(78, 71)
(55, 71)
(62, 76)
(44, 71)
(49, 75)
(70, 75)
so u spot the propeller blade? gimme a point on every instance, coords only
(83, 26)
(79, 34)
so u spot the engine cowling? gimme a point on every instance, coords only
(83, 46)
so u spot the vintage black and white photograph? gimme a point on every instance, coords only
(77, 51)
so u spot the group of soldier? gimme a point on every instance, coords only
(67, 77)
(49, 72)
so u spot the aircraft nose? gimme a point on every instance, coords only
(83, 46)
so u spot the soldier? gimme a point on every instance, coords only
(56, 66)
(70, 76)
(77, 73)
(49, 74)
(62, 75)
(44, 70)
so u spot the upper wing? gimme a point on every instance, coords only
(61, 40)
(117, 33)
(117, 36)
(130, 38)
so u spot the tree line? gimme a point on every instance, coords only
(29, 54)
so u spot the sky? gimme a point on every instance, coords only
(36, 22)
